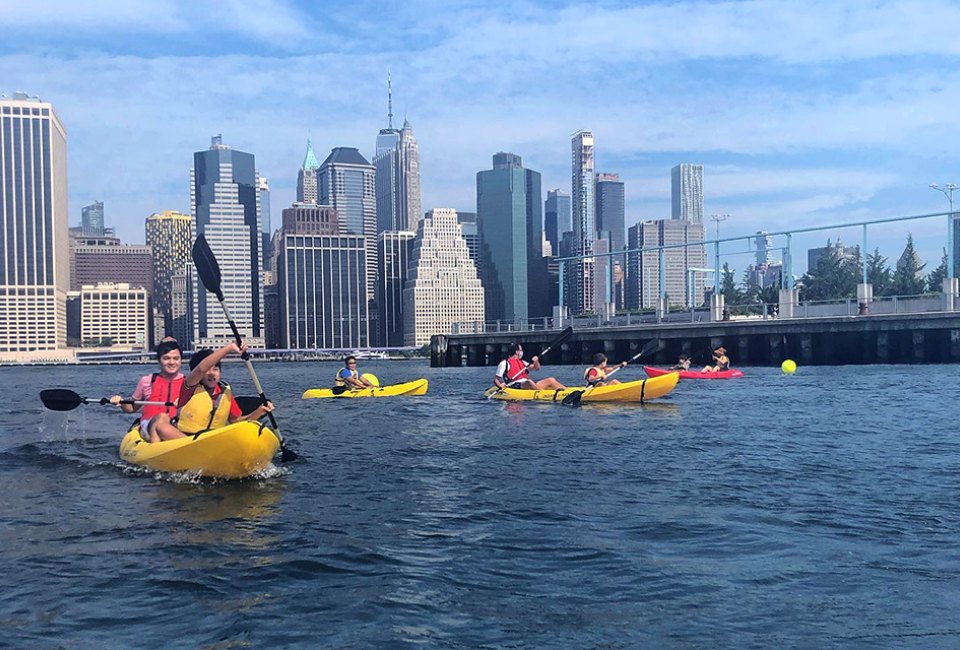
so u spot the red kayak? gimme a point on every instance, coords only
(693, 374)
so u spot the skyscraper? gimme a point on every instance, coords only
(35, 275)
(683, 287)
(686, 183)
(584, 219)
(468, 228)
(263, 190)
(92, 218)
(509, 225)
(442, 287)
(556, 218)
(397, 163)
(394, 248)
(168, 236)
(346, 183)
(321, 281)
(610, 209)
(224, 204)
(307, 177)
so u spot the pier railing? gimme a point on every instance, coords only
(914, 304)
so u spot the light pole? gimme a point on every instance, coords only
(717, 218)
(947, 191)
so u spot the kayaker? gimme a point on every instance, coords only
(721, 359)
(349, 376)
(596, 375)
(163, 386)
(683, 363)
(514, 372)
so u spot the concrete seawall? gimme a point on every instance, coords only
(915, 338)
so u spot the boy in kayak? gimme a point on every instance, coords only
(206, 402)
(683, 363)
(163, 386)
(514, 372)
(349, 376)
(596, 375)
(721, 359)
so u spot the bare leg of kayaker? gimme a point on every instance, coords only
(162, 429)
(549, 382)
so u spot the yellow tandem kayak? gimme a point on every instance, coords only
(639, 391)
(234, 451)
(415, 387)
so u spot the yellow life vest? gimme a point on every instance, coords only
(341, 382)
(202, 412)
(601, 374)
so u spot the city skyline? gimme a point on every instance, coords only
(821, 116)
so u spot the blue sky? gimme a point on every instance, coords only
(802, 113)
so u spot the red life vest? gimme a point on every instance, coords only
(162, 390)
(516, 370)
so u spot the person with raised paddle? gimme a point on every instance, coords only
(596, 375)
(206, 402)
(722, 362)
(514, 372)
(164, 385)
(349, 377)
(574, 398)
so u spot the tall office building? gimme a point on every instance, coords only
(346, 183)
(468, 227)
(181, 307)
(168, 236)
(397, 163)
(556, 218)
(307, 177)
(683, 285)
(394, 248)
(584, 220)
(35, 273)
(611, 209)
(442, 286)
(91, 218)
(764, 244)
(686, 182)
(263, 190)
(509, 224)
(225, 206)
(321, 281)
(110, 263)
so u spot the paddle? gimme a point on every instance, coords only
(62, 399)
(563, 336)
(209, 272)
(573, 399)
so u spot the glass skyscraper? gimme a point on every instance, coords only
(686, 182)
(225, 206)
(584, 220)
(556, 218)
(509, 225)
(611, 209)
(91, 219)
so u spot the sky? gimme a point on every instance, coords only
(803, 114)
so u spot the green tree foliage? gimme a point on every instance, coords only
(908, 279)
(938, 275)
(833, 278)
(878, 273)
(732, 294)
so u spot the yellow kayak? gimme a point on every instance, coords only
(415, 387)
(234, 451)
(640, 391)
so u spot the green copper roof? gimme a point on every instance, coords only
(310, 161)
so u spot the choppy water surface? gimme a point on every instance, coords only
(814, 510)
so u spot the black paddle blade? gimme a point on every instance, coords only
(653, 345)
(573, 399)
(60, 399)
(207, 267)
(339, 390)
(564, 335)
(287, 455)
(248, 403)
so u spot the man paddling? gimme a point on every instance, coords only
(163, 386)
(514, 372)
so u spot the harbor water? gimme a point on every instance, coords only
(814, 510)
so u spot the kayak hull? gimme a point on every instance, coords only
(235, 451)
(415, 387)
(693, 374)
(639, 391)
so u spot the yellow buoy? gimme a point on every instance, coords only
(789, 366)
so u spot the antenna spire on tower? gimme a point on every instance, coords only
(389, 102)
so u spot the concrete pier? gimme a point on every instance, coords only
(882, 338)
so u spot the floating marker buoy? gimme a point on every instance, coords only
(789, 366)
